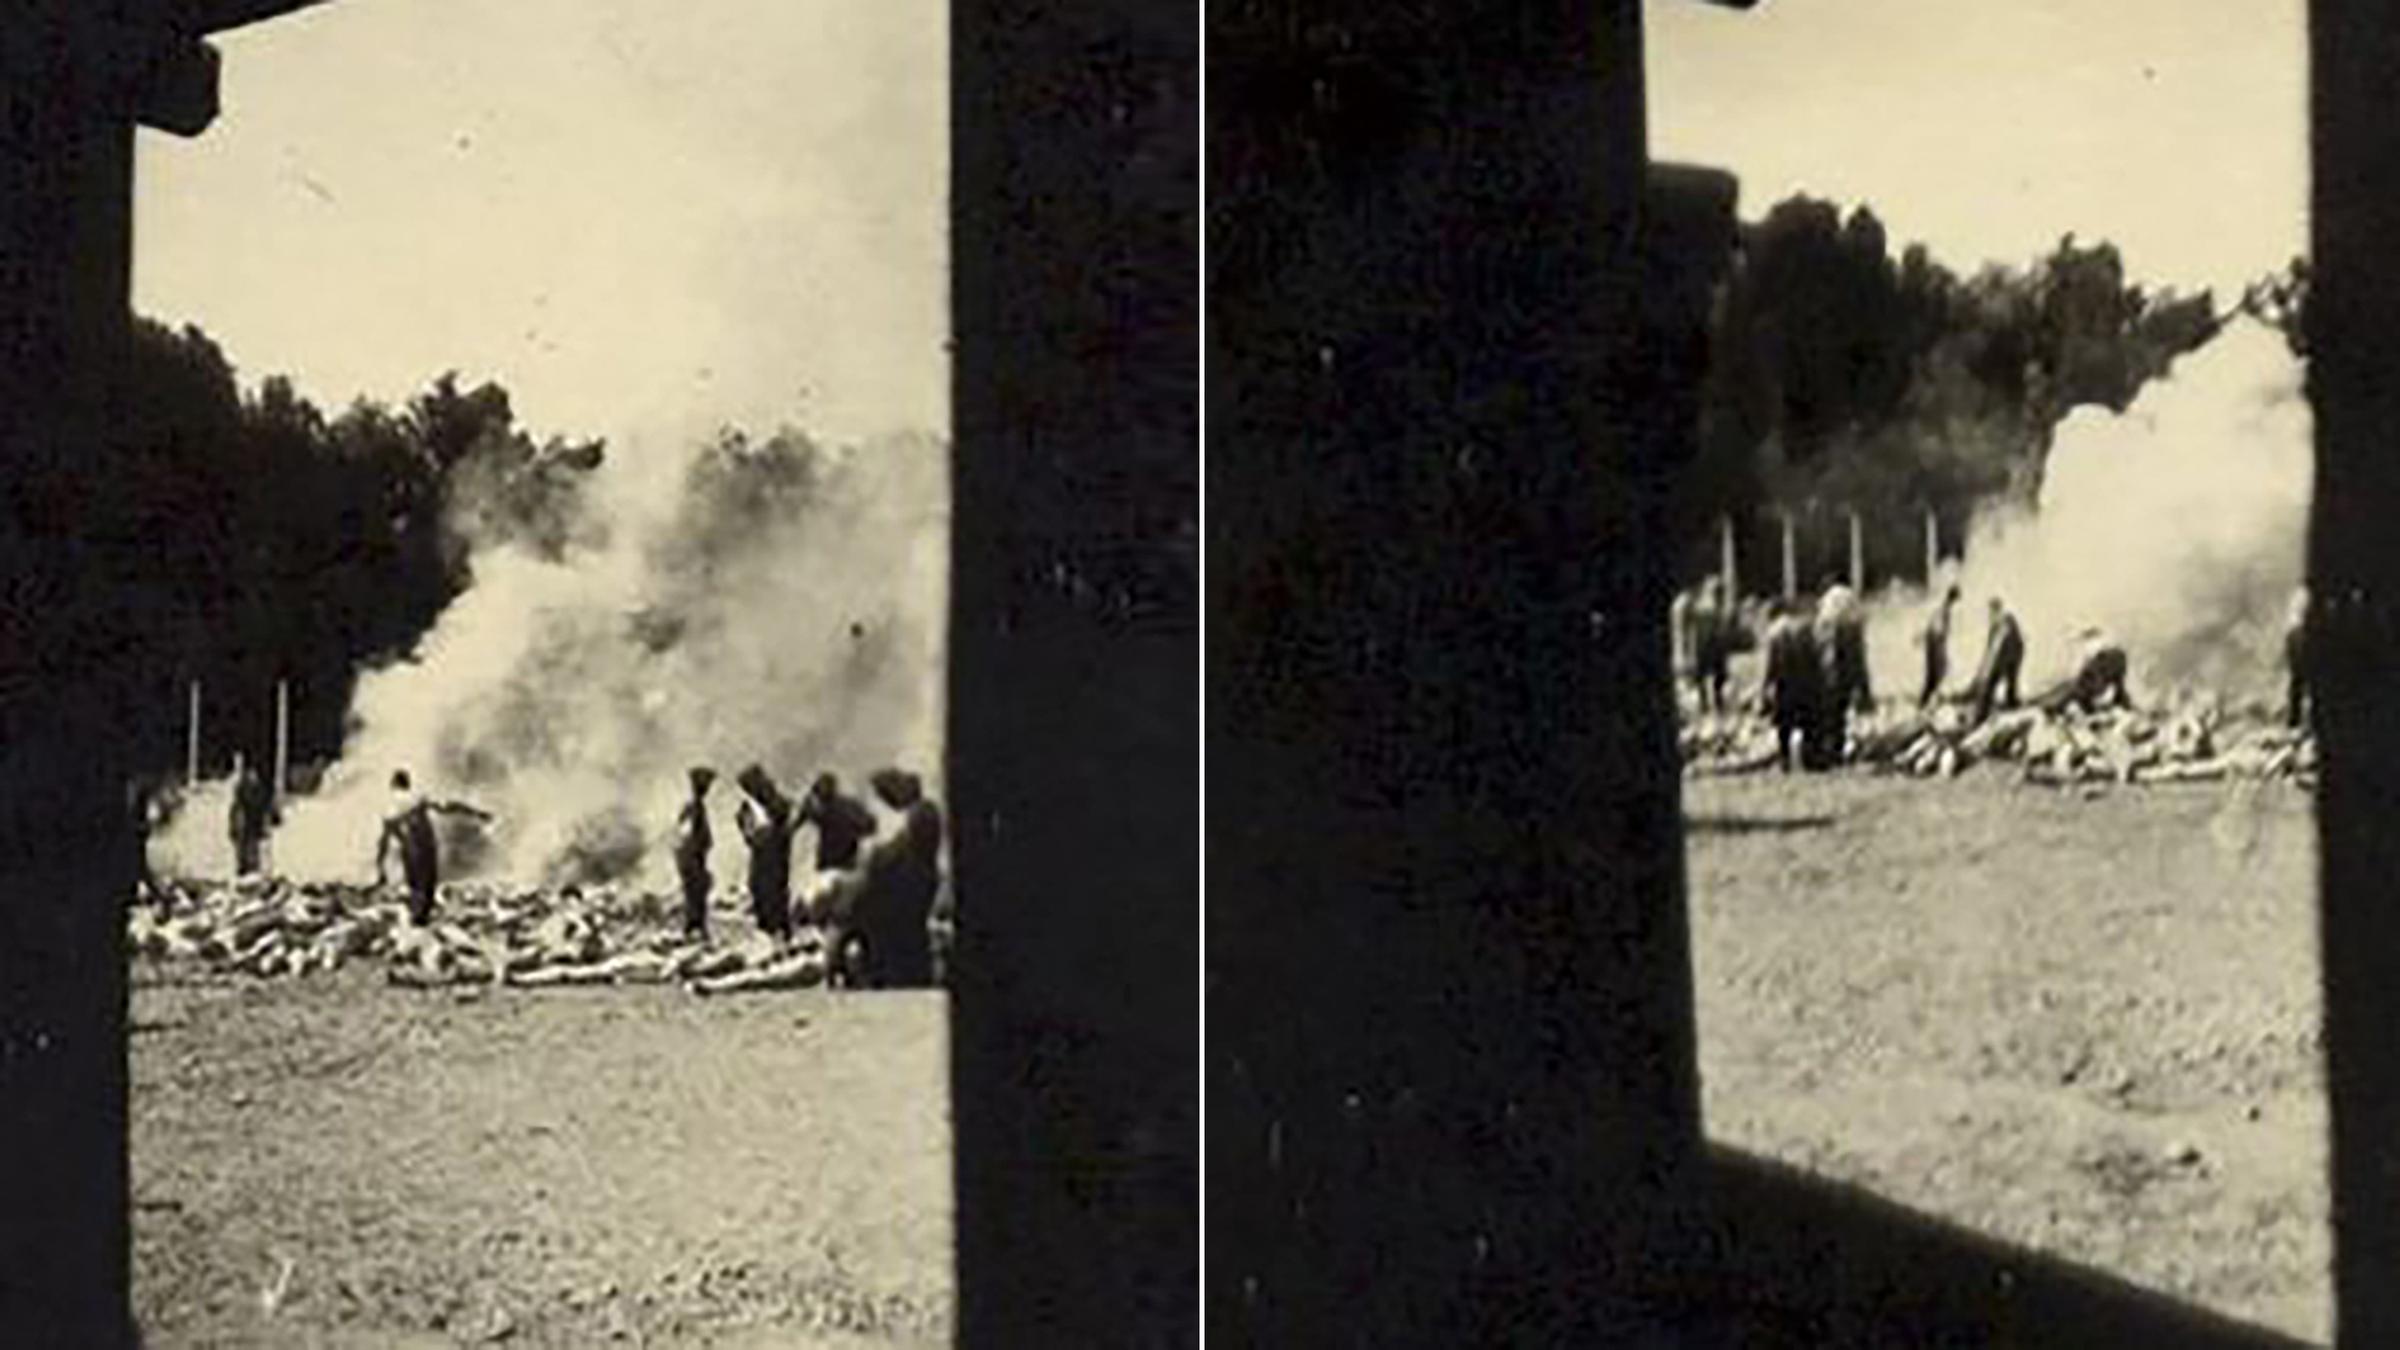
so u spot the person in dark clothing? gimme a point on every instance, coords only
(1842, 636)
(2003, 661)
(768, 821)
(1795, 687)
(253, 814)
(2099, 680)
(2298, 662)
(409, 831)
(888, 941)
(693, 839)
(1714, 638)
(1936, 641)
(842, 823)
(147, 807)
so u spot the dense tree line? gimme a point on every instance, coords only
(255, 538)
(1841, 377)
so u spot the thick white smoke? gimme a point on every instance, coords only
(2178, 527)
(776, 602)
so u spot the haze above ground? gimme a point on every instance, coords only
(2175, 129)
(641, 219)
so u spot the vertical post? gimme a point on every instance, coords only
(283, 738)
(1933, 548)
(191, 734)
(1727, 565)
(1791, 560)
(1858, 555)
(72, 854)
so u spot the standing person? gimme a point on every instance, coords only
(901, 879)
(1843, 635)
(1936, 640)
(252, 815)
(1713, 626)
(2003, 661)
(767, 821)
(1795, 686)
(146, 805)
(2299, 688)
(1679, 624)
(693, 839)
(842, 823)
(408, 830)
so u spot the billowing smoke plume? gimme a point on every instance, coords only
(777, 602)
(2178, 528)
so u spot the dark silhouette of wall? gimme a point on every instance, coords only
(66, 152)
(2353, 327)
(1074, 733)
(1450, 1034)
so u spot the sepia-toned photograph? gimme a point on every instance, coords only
(1993, 656)
(598, 673)
(539, 484)
(1800, 660)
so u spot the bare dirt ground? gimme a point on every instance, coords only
(2088, 1025)
(536, 1167)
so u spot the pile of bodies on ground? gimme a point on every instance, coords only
(271, 928)
(1815, 708)
(867, 917)
(2064, 746)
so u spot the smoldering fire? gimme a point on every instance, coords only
(776, 601)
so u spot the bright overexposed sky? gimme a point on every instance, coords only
(641, 217)
(1988, 128)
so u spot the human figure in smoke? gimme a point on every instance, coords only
(693, 839)
(1715, 634)
(252, 815)
(2003, 661)
(768, 820)
(2099, 679)
(1795, 685)
(2299, 660)
(1842, 652)
(148, 807)
(842, 822)
(409, 831)
(1843, 633)
(1936, 640)
(888, 942)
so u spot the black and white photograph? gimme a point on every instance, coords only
(506, 721)
(1798, 659)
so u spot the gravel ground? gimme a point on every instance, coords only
(2086, 1024)
(536, 1167)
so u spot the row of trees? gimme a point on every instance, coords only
(255, 538)
(1841, 377)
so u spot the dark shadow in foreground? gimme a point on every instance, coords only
(1801, 1261)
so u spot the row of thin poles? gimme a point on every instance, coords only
(283, 736)
(1729, 562)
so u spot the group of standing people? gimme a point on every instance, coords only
(1816, 677)
(874, 904)
(1817, 669)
